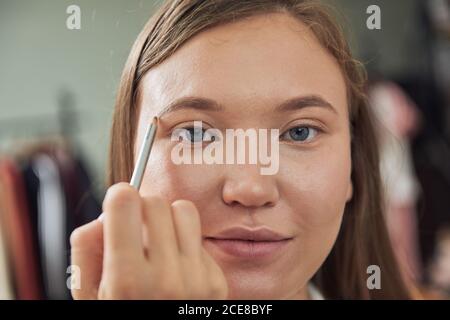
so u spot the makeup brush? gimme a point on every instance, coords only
(144, 153)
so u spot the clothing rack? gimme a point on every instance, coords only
(45, 193)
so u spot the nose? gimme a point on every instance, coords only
(245, 185)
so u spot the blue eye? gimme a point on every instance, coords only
(195, 135)
(300, 134)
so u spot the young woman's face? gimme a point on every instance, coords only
(250, 68)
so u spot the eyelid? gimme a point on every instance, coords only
(312, 123)
(190, 124)
(186, 125)
(307, 125)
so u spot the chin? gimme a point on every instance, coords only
(256, 285)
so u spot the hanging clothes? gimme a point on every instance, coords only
(46, 192)
(52, 231)
(6, 287)
(82, 204)
(18, 230)
(61, 182)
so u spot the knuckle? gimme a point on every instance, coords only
(186, 205)
(86, 234)
(121, 194)
(77, 237)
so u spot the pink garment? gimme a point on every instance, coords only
(398, 120)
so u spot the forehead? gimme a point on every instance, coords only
(260, 60)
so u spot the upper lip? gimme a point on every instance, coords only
(243, 233)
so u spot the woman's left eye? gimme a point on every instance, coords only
(300, 134)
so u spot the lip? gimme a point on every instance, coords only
(249, 243)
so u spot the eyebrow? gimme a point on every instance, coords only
(304, 102)
(205, 104)
(196, 103)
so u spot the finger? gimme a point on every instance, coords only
(187, 228)
(122, 224)
(87, 258)
(216, 278)
(161, 240)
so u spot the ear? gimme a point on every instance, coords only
(350, 190)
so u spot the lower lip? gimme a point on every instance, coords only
(249, 249)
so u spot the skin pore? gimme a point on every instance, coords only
(250, 69)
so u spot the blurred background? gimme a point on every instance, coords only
(57, 91)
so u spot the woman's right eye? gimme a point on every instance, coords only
(194, 135)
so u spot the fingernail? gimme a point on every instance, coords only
(101, 217)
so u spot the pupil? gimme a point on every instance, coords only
(196, 134)
(299, 134)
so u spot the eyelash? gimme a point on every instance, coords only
(316, 129)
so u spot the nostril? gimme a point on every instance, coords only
(236, 204)
(269, 204)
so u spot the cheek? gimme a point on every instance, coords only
(316, 184)
(171, 181)
(315, 188)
